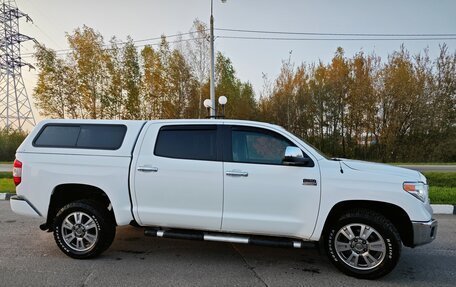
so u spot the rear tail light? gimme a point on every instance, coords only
(17, 172)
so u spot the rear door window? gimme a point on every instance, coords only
(187, 142)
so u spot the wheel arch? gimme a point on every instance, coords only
(398, 217)
(70, 192)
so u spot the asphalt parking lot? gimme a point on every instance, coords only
(29, 257)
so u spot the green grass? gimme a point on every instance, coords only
(6, 174)
(442, 187)
(442, 195)
(7, 185)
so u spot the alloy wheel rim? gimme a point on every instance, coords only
(360, 246)
(79, 231)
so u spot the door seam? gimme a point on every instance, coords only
(223, 194)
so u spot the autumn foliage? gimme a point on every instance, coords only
(402, 108)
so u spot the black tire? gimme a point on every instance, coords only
(100, 227)
(359, 260)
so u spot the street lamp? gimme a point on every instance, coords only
(208, 105)
(222, 101)
(213, 111)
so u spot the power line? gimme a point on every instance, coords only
(45, 16)
(139, 41)
(68, 51)
(338, 34)
(335, 39)
(46, 35)
(342, 37)
(166, 36)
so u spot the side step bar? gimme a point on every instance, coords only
(223, 237)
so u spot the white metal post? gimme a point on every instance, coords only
(212, 76)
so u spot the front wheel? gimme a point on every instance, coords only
(83, 229)
(363, 244)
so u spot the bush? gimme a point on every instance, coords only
(5, 174)
(442, 179)
(9, 142)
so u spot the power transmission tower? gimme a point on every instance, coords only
(15, 108)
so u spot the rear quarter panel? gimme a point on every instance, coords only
(42, 173)
(44, 168)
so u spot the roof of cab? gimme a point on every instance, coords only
(133, 129)
(173, 121)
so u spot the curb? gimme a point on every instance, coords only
(443, 208)
(6, 196)
(437, 208)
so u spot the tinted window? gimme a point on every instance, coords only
(252, 146)
(101, 137)
(187, 143)
(81, 136)
(59, 136)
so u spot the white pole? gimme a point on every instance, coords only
(212, 76)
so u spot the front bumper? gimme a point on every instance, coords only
(21, 205)
(424, 232)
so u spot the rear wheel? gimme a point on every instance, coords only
(363, 244)
(83, 229)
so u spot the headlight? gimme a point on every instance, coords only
(417, 189)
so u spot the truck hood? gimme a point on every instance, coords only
(407, 174)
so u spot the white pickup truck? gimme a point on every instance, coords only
(218, 180)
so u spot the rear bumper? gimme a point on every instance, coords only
(424, 232)
(21, 205)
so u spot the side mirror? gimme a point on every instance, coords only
(294, 156)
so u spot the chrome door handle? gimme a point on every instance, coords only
(147, 169)
(237, 173)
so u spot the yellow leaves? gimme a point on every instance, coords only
(352, 106)
(360, 107)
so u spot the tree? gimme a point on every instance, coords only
(399, 102)
(339, 85)
(131, 81)
(154, 85)
(88, 56)
(114, 97)
(241, 102)
(53, 92)
(442, 133)
(182, 86)
(319, 91)
(198, 58)
(362, 105)
(400, 109)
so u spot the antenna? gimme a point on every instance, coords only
(15, 108)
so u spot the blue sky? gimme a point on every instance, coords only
(143, 19)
